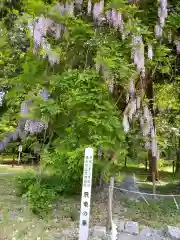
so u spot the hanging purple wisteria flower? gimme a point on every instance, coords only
(34, 126)
(89, 8)
(44, 94)
(126, 123)
(97, 11)
(2, 94)
(177, 43)
(138, 53)
(150, 52)
(162, 14)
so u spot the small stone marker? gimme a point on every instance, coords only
(131, 227)
(151, 234)
(173, 233)
(98, 231)
(86, 194)
(120, 225)
(129, 184)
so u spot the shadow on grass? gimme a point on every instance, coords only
(157, 214)
(168, 183)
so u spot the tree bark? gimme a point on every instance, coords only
(125, 162)
(178, 156)
(146, 165)
(153, 166)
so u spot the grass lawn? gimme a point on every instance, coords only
(17, 221)
(157, 213)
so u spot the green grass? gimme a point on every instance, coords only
(158, 213)
(66, 210)
(16, 220)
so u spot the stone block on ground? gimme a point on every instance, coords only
(129, 184)
(131, 228)
(120, 225)
(173, 232)
(98, 232)
(70, 233)
(125, 236)
(151, 234)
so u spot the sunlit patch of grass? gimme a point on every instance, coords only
(16, 169)
(16, 219)
(157, 214)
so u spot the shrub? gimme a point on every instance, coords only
(40, 193)
(40, 198)
(24, 182)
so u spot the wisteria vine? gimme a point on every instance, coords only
(25, 126)
(39, 28)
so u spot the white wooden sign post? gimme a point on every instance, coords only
(86, 194)
(20, 151)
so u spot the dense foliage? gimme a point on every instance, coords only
(111, 73)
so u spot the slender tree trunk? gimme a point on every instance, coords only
(178, 156)
(153, 166)
(146, 165)
(125, 162)
(173, 166)
(13, 160)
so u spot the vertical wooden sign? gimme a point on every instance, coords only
(86, 194)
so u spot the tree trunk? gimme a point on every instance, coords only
(178, 156)
(125, 162)
(146, 165)
(153, 167)
(173, 166)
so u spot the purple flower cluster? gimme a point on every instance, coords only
(65, 9)
(115, 19)
(89, 8)
(147, 127)
(177, 43)
(39, 31)
(132, 106)
(18, 134)
(150, 52)
(98, 10)
(162, 14)
(34, 126)
(138, 53)
(1, 97)
(25, 125)
(44, 94)
(126, 123)
(25, 105)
